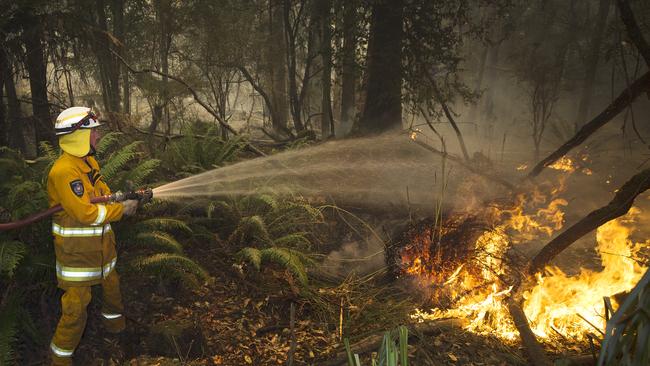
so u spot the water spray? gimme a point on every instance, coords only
(142, 195)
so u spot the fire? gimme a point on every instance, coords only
(564, 164)
(559, 301)
(473, 287)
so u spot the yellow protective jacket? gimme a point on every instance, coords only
(84, 242)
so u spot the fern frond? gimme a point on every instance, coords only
(294, 240)
(159, 240)
(251, 228)
(229, 149)
(162, 262)
(288, 259)
(165, 224)
(259, 204)
(11, 252)
(251, 255)
(48, 151)
(140, 173)
(119, 159)
(107, 142)
(221, 208)
(9, 320)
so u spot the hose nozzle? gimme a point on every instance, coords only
(143, 195)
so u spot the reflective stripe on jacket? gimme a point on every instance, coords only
(84, 242)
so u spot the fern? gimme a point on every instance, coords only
(160, 240)
(165, 264)
(118, 160)
(289, 259)
(49, 152)
(260, 204)
(107, 142)
(166, 224)
(294, 240)
(251, 255)
(11, 252)
(251, 228)
(9, 319)
(140, 173)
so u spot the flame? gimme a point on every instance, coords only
(558, 304)
(564, 164)
(523, 166)
(559, 301)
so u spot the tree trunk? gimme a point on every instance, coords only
(348, 67)
(479, 82)
(15, 137)
(383, 107)
(592, 64)
(327, 120)
(37, 69)
(108, 68)
(119, 32)
(277, 75)
(4, 140)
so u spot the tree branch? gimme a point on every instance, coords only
(465, 165)
(638, 87)
(618, 206)
(633, 30)
(198, 99)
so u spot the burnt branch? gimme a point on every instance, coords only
(533, 349)
(619, 206)
(638, 87)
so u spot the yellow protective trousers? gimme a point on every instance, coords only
(73, 318)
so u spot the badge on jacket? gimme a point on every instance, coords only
(77, 187)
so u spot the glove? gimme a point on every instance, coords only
(130, 206)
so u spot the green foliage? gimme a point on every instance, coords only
(193, 154)
(390, 353)
(11, 252)
(166, 224)
(251, 229)
(9, 327)
(108, 142)
(293, 240)
(117, 161)
(159, 240)
(170, 265)
(289, 259)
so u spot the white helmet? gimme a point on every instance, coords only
(73, 128)
(74, 118)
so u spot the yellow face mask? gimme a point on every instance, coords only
(76, 143)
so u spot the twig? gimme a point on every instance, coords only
(292, 326)
(198, 99)
(592, 324)
(463, 164)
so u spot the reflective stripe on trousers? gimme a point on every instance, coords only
(80, 274)
(79, 231)
(111, 316)
(60, 351)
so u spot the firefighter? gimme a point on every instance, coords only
(84, 242)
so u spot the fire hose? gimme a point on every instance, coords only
(142, 195)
